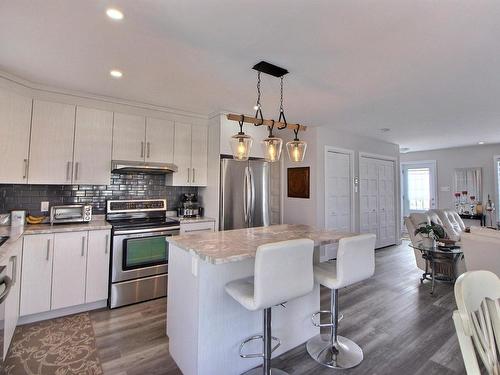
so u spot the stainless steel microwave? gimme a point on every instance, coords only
(77, 213)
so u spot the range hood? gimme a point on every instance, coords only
(122, 166)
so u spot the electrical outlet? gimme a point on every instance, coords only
(44, 206)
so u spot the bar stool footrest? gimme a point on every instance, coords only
(257, 355)
(316, 324)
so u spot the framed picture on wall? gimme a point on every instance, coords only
(298, 182)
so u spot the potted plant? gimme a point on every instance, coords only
(430, 233)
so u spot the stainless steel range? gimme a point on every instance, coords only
(139, 256)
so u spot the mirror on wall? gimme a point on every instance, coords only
(469, 180)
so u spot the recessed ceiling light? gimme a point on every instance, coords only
(385, 130)
(114, 14)
(404, 149)
(115, 73)
(480, 143)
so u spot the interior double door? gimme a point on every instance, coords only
(377, 199)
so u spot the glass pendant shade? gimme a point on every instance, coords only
(241, 144)
(296, 150)
(272, 148)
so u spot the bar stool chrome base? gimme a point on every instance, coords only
(347, 353)
(258, 371)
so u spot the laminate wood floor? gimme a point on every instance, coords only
(400, 326)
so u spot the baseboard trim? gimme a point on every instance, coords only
(61, 312)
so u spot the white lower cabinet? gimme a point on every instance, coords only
(69, 269)
(63, 270)
(36, 284)
(97, 266)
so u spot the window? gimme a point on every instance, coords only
(419, 192)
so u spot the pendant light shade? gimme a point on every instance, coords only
(241, 144)
(272, 147)
(296, 148)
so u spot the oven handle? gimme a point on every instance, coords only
(147, 230)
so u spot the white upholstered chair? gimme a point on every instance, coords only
(355, 262)
(283, 271)
(477, 320)
(451, 221)
(481, 250)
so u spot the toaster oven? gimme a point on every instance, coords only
(77, 213)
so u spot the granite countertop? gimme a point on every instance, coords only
(15, 233)
(236, 245)
(198, 219)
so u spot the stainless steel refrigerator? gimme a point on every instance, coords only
(245, 194)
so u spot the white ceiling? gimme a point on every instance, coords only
(428, 70)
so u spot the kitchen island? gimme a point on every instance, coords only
(205, 325)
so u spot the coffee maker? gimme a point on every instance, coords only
(190, 206)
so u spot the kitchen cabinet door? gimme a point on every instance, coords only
(69, 271)
(36, 275)
(182, 154)
(51, 146)
(159, 140)
(15, 123)
(93, 143)
(129, 136)
(97, 266)
(12, 301)
(199, 155)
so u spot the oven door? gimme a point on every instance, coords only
(140, 253)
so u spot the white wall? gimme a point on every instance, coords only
(461, 157)
(311, 211)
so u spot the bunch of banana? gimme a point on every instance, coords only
(35, 219)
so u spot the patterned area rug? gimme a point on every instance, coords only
(60, 346)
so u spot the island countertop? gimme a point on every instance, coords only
(236, 245)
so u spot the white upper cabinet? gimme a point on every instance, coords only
(182, 154)
(51, 149)
(15, 121)
(159, 140)
(129, 134)
(97, 266)
(93, 142)
(199, 160)
(69, 269)
(190, 155)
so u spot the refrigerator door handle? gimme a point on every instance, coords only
(252, 198)
(246, 184)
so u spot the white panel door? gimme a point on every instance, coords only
(70, 263)
(12, 302)
(199, 155)
(368, 196)
(387, 218)
(159, 140)
(15, 123)
(182, 154)
(338, 192)
(51, 147)
(36, 275)
(93, 142)
(129, 137)
(97, 266)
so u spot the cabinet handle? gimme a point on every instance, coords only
(149, 148)
(107, 244)
(198, 230)
(48, 249)
(193, 175)
(25, 169)
(77, 164)
(68, 165)
(142, 149)
(83, 246)
(13, 259)
(189, 174)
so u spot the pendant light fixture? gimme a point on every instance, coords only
(296, 148)
(272, 146)
(241, 143)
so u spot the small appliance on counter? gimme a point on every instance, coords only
(190, 206)
(76, 213)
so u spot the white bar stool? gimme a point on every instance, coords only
(283, 271)
(355, 262)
